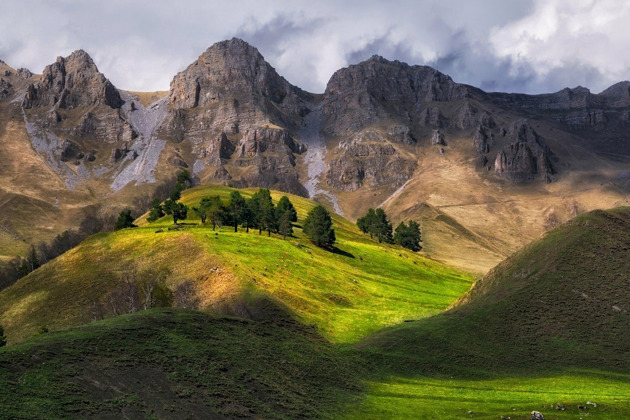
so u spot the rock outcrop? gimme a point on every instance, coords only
(526, 158)
(379, 90)
(368, 157)
(438, 138)
(6, 89)
(233, 79)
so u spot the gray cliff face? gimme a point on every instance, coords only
(233, 77)
(368, 157)
(526, 158)
(72, 82)
(378, 90)
(230, 116)
(233, 97)
(379, 108)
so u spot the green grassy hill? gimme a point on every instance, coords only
(309, 333)
(548, 325)
(176, 364)
(359, 288)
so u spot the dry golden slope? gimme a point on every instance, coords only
(473, 220)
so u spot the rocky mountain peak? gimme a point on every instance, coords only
(228, 70)
(618, 95)
(381, 90)
(71, 82)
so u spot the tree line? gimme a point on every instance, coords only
(376, 224)
(257, 212)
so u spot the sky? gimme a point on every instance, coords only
(529, 46)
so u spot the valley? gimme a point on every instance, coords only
(371, 319)
(517, 301)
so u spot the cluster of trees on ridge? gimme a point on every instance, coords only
(258, 212)
(375, 223)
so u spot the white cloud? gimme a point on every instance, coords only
(578, 41)
(530, 46)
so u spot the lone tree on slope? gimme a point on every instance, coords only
(125, 220)
(318, 227)
(180, 212)
(156, 212)
(408, 236)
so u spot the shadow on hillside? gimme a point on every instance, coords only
(341, 252)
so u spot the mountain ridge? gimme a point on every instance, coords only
(381, 130)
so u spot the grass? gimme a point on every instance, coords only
(359, 288)
(170, 363)
(524, 338)
(514, 397)
(540, 329)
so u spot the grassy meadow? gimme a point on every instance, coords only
(289, 330)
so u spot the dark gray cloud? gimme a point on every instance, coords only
(521, 46)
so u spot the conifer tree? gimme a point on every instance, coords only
(156, 211)
(236, 209)
(318, 227)
(125, 220)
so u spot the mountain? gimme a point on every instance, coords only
(491, 171)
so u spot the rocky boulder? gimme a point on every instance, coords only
(6, 89)
(70, 150)
(438, 138)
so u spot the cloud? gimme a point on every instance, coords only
(570, 42)
(526, 46)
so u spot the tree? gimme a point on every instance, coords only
(365, 223)
(408, 236)
(236, 209)
(285, 206)
(156, 211)
(248, 219)
(216, 210)
(3, 338)
(318, 227)
(176, 194)
(32, 260)
(265, 215)
(125, 220)
(376, 224)
(210, 207)
(168, 206)
(382, 227)
(285, 227)
(180, 212)
(183, 178)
